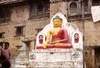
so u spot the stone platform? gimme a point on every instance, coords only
(56, 58)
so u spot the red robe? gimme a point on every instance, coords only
(62, 37)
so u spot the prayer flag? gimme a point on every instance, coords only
(95, 10)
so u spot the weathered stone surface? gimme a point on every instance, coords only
(59, 58)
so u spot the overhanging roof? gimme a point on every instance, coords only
(10, 1)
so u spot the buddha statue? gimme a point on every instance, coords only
(57, 36)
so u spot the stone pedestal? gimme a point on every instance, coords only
(23, 56)
(59, 58)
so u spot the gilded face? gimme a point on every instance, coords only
(57, 22)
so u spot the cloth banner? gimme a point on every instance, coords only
(95, 10)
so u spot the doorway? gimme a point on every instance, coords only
(28, 44)
(97, 57)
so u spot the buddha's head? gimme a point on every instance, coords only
(57, 21)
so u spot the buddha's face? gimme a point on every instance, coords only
(57, 22)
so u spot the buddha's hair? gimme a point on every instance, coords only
(57, 17)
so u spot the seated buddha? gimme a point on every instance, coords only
(57, 37)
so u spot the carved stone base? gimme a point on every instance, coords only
(59, 58)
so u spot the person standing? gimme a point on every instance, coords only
(7, 54)
(2, 57)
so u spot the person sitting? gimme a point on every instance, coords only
(59, 35)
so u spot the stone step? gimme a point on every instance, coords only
(58, 64)
(18, 66)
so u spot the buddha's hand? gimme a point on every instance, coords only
(55, 43)
(45, 44)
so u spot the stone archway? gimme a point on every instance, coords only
(73, 7)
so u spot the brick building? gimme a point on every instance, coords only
(21, 20)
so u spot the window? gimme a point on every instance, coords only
(19, 30)
(75, 10)
(73, 7)
(86, 5)
(96, 2)
(2, 15)
(39, 9)
(2, 35)
(5, 12)
(47, 7)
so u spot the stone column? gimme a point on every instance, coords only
(93, 58)
(79, 7)
(89, 5)
(32, 45)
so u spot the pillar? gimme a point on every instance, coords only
(89, 5)
(93, 58)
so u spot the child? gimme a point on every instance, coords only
(6, 53)
(2, 57)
